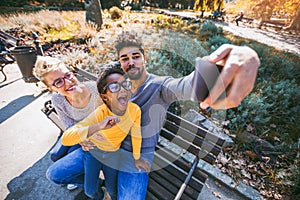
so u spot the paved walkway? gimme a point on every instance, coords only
(26, 137)
(282, 41)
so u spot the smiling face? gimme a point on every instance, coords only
(132, 62)
(116, 101)
(65, 80)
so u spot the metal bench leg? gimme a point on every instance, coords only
(5, 77)
(187, 179)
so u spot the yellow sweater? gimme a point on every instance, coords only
(129, 122)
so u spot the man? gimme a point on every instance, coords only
(154, 94)
(239, 17)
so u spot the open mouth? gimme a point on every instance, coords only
(72, 88)
(123, 101)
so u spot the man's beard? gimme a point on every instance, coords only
(134, 76)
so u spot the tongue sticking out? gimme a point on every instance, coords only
(123, 101)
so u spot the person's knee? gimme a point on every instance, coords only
(132, 184)
(53, 175)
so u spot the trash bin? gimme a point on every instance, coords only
(25, 57)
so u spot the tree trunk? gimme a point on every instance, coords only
(295, 24)
(200, 5)
(93, 12)
(263, 11)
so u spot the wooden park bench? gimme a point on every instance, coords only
(173, 175)
(272, 24)
(6, 41)
(248, 21)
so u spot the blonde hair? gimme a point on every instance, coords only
(44, 65)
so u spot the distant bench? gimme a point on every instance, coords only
(247, 20)
(277, 25)
(273, 24)
(6, 41)
(172, 175)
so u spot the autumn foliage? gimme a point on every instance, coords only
(264, 10)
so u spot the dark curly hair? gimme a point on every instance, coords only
(104, 72)
(128, 39)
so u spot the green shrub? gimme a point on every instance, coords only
(272, 109)
(277, 65)
(216, 41)
(209, 29)
(115, 13)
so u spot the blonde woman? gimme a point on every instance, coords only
(73, 101)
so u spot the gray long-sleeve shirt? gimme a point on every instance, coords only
(70, 115)
(157, 93)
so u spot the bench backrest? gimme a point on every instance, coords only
(9, 40)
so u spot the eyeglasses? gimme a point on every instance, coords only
(116, 86)
(60, 82)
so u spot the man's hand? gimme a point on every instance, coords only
(238, 76)
(87, 145)
(142, 164)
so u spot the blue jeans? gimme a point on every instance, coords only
(79, 168)
(59, 150)
(109, 165)
(132, 184)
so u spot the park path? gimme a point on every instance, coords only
(280, 40)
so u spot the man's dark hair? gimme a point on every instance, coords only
(128, 39)
(104, 72)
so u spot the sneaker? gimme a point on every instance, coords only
(71, 187)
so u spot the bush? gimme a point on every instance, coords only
(216, 41)
(209, 29)
(272, 108)
(277, 65)
(115, 13)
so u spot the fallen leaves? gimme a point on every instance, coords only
(251, 169)
(251, 154)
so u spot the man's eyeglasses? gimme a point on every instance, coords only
(60, 82)
(116, 86)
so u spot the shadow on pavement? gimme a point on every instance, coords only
(7, 84)
(33, 184)
(16, 105)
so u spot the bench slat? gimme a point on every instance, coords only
(188, 146)
(9, 40)
(151, 196)
(189, 136)
(180, 162)
(160, 177)
(199, 130)
(171, 177)
(159, 191)
(171, 184)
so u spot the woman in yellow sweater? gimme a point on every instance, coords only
(108, 126)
